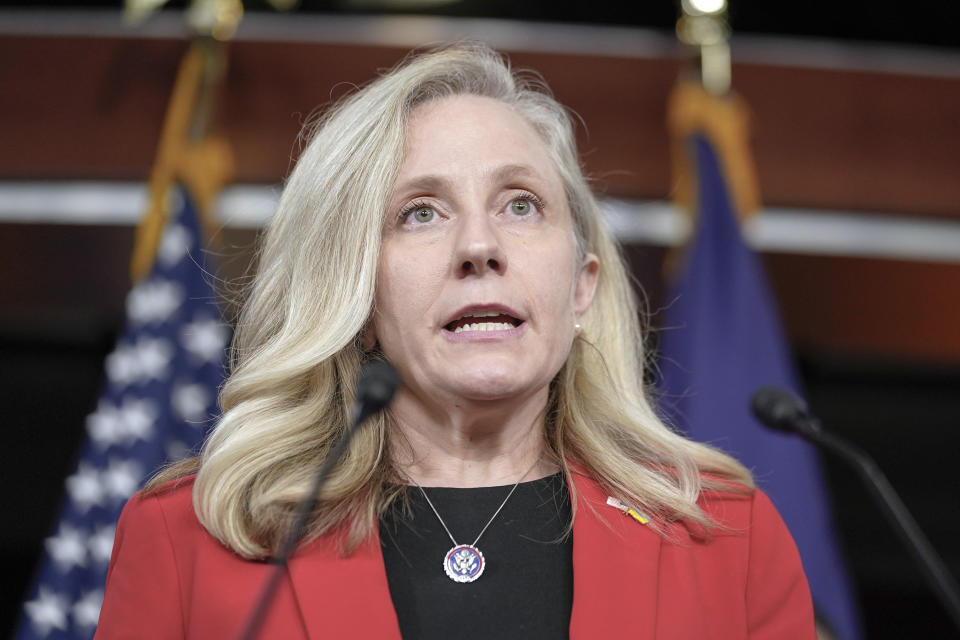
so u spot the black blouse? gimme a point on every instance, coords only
(526, 588)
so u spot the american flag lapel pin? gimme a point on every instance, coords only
(627, 510)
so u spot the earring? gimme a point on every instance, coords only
(577, 328)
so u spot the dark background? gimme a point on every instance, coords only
(924, 22)
(61, 305)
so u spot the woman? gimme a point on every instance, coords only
(521, 484)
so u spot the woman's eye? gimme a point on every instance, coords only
(524, 205)
(423, 214)
(419, 214)
(521, 206)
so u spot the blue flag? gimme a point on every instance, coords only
(723, 341)
(158, 403)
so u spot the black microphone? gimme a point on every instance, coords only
(376, 384)
(782, 410)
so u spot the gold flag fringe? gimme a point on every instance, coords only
(202, 163)
(725, 122)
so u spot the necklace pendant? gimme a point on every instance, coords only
(464, 563)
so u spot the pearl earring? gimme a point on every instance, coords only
(577, 328)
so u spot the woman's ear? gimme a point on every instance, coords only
(586, 284)
(368, 336)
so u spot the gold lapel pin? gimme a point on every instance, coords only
(633, 513)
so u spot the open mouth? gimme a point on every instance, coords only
(483, 321)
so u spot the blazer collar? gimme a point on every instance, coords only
(343, 597)
(615, 577)
(615, 569)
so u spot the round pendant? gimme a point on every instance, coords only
(463, 563)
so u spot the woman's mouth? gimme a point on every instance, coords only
(483, 321)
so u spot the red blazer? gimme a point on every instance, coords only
(169, 578)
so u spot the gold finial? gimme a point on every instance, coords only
(704, 25)
(136, 11)
(216, 18)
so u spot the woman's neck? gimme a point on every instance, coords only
(469, 444)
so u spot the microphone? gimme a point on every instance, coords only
(376, 384)
(781, 410)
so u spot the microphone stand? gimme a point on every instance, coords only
(375, 389)
(934, 569)
(899, 517)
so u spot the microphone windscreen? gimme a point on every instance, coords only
(779, 409)
(376, 384)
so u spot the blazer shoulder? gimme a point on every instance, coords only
(143, 586)
(168, 508)
(173, 490)
(739, 500)
(731, 508)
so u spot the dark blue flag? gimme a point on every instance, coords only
(723, 341)
(157, 405)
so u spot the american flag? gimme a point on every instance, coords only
(726, 343)
(158, 403)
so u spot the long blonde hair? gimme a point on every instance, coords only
(297, 347)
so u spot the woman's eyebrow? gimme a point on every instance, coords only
(429, 184)
(438, 182)
(509, 172)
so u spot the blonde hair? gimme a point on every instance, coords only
(297, 348)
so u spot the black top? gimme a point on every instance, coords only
(526, 588)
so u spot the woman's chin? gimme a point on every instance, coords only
(491, 386)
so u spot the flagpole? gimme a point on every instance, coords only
(187, 153)
(704, 26)
(726, 338)
(708, 106)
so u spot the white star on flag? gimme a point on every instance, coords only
(136, 419)
(205, 338)
(86, 610)
(100, 544)
(48, 611)
(174, 245)
(148, 358)
(85, 488)
(190, 402)
(154, 300)
(122, 478)
(123, 367)
(153, 358)
(68, 548)
(104, 426)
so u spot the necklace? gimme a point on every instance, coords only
(465, 562)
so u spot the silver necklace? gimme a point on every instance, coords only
(465, 562)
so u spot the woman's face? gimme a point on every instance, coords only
(479, 283)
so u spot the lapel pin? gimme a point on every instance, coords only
(633, 513)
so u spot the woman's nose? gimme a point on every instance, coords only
(478, 249)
